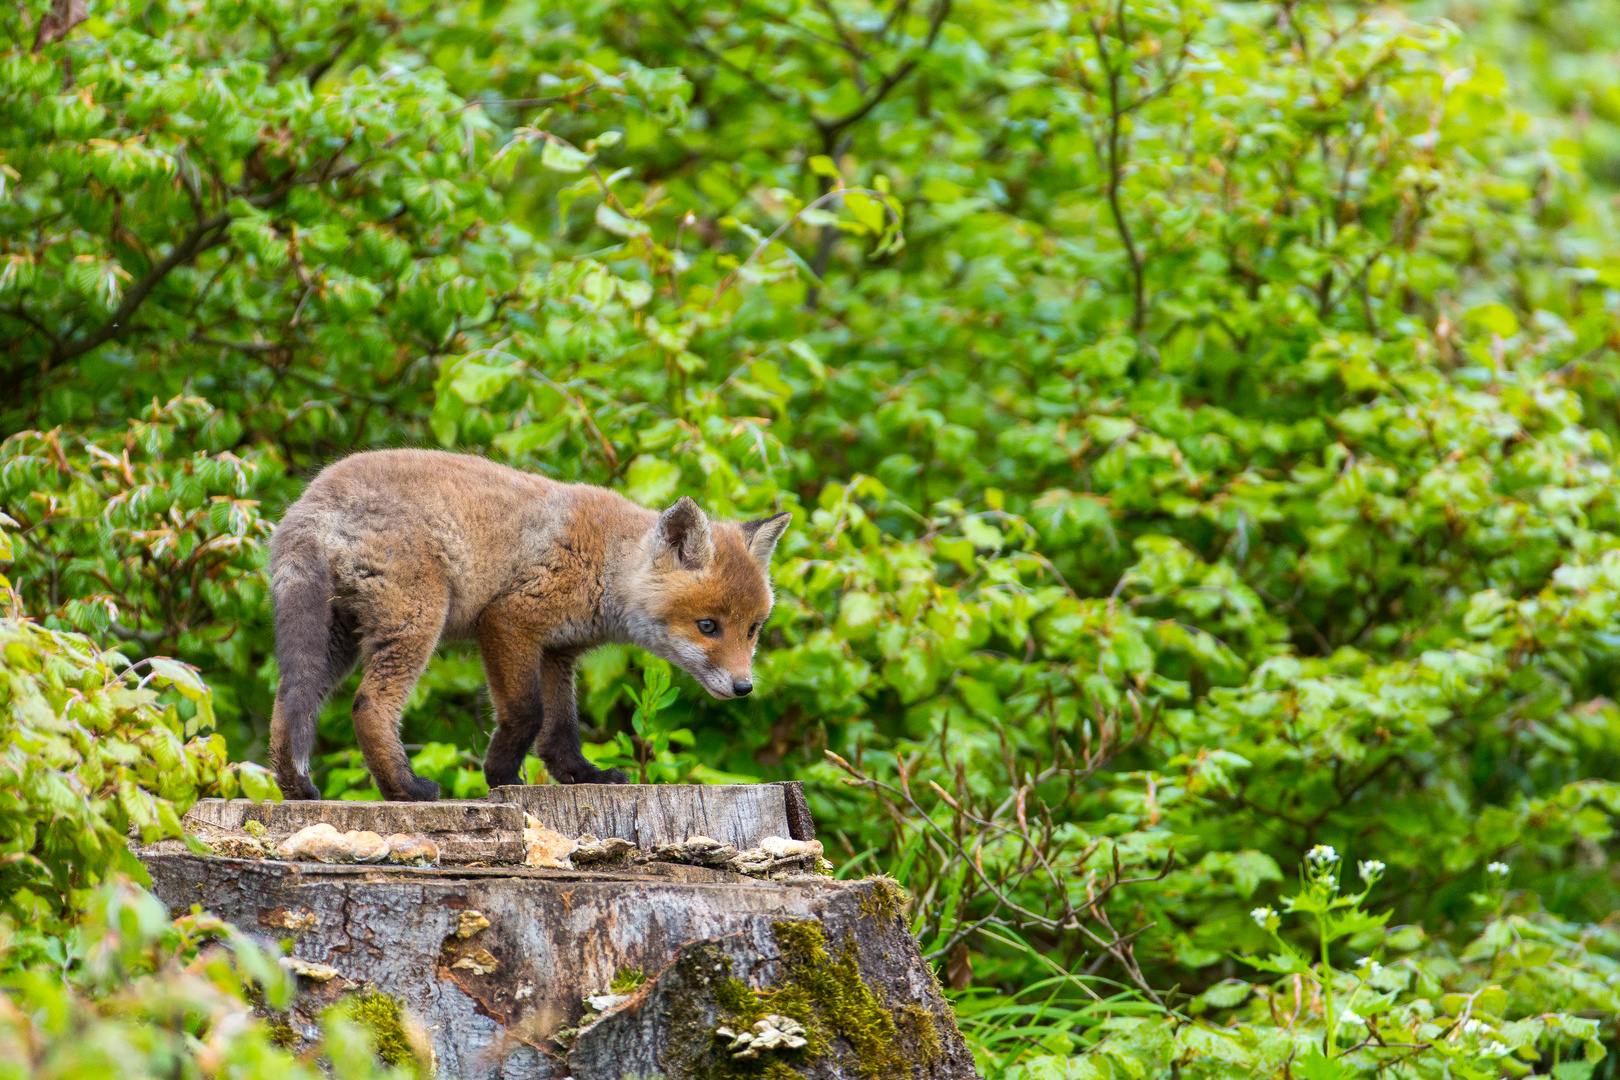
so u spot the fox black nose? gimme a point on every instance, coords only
(742, 689)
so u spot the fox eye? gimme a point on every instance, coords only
(709, 627)
(752, 630)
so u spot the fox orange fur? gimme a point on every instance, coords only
(391, 551)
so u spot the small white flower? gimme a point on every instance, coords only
(1497, 1049)
(1349, 1017)
(1364, 961)
(1322, 853)
(1470, 1026)
(1262, 916)
(1370, 869)
(1500, 869)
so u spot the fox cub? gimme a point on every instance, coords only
(390, 551)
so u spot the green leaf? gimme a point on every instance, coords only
(1317, 1066)
(1490, 1001)
(635, 293)
(446, 417)
(867, 210)
(257, 783)
(652, 481)
(1283, 963)
(475, 383)
(858, 615)
(532, 437)
(958, 550)
(617, 223)
(1494, 319)
(1227, 994)
(182, 677)
(563, 158)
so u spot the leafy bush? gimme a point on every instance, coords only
(93, 750)
(95, 979)
(1198, 420)
(1404, 1008)
(146, 536)
(137, 995)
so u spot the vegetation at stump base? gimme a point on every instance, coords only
(382, 1017)
(131, 993)
(1198, 420)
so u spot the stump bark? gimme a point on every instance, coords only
(496, 962)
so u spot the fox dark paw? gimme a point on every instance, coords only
(415, 789)
(585, 773)
(297, 786)
(494, 778)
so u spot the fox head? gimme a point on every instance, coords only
(704, 592)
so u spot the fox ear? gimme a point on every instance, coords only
(763, 534)
(682, 538)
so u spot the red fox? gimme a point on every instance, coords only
(390, 551)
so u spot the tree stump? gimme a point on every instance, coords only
(645, 968)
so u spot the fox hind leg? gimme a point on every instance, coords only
(393, 664)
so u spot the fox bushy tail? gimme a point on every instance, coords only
(314, 652)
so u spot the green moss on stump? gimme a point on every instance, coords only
(919, 1025)
(383, 1015)
(886, 901)
(282, 1033)
(832, 1001)
(842, 1001)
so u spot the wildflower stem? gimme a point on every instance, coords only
(1325, 978)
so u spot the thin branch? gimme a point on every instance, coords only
(830, 129)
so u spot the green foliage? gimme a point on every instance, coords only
(1198, 419)
(1400, 1010)
(649, 752)
(627, 981)
(92, 750)
(138, 995)
(146, 535)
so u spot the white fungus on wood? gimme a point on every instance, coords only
(607, 849)
(775, 856)
(603, 1002)
(317, 972)
(322, 842)
(481, 962)
(772, 1033)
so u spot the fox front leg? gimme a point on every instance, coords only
(533, 694)
(559, 732)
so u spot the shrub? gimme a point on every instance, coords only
(133, 994)
(1198, 420)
